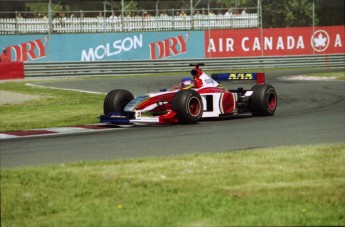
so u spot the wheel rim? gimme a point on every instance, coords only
(194, 107)
(272, 100)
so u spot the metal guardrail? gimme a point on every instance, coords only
(107, 68)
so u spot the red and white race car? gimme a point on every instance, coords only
(202, 97)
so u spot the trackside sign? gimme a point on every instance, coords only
(274, 42)
(113, 48)
(174, 45)
(33, 49)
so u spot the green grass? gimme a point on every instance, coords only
(303, 185)
(55, 108)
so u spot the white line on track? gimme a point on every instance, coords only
(66, 89)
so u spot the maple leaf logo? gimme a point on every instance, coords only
(320, 41)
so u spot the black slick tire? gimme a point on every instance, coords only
(188, 106)
(263, 101)
(116, 100)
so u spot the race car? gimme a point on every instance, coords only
(202, 97)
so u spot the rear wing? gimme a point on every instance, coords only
(259, 77)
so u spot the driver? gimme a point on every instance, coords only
(200, 80)
(186, 83)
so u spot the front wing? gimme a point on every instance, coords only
(116, 118)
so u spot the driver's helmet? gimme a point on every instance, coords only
(186, 83)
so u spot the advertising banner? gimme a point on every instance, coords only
(23, 48)
(104, 46)
(274, 42)
(124, 46)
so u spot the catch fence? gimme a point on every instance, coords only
(10, 26)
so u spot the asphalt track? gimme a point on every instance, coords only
(309, 112)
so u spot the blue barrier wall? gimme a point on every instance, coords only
(175, 44)
(105, 46)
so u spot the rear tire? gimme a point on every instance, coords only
(263, 101)
(188, 105)
(116, 100)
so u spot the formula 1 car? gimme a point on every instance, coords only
(189, 105)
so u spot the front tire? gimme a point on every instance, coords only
(263, 101)
(116, 100)
(188, 105)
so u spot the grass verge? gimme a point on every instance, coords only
(288, 186)
(56, 108)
